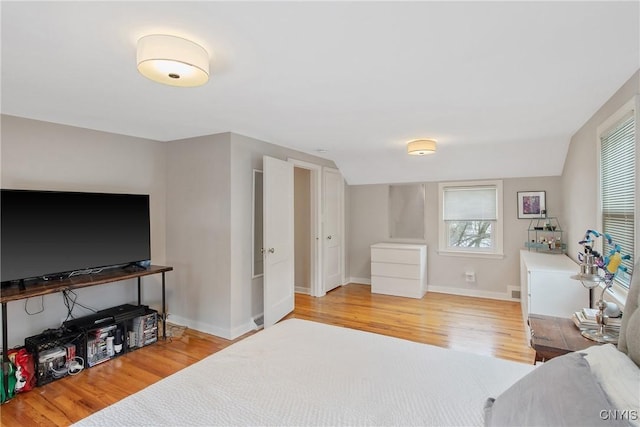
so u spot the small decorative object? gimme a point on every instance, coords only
(531, 204)
(594, 270)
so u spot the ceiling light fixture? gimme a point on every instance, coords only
(421, 147)
(172, 60)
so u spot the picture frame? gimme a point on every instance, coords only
(531, 204)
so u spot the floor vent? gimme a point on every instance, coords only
(259, 322)
(515, 294)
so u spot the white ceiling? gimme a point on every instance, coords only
(502, 86)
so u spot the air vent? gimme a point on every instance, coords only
(513, 293)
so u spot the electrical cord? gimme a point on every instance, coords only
(26, 309)
(76, 365)
(87, 271)
(73, 366)
(70, 299)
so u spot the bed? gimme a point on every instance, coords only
(306, 373)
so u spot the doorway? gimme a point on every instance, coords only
(303, 237)
(307, 227)
(310, 249)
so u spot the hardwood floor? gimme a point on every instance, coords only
(474, 325)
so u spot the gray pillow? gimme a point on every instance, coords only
(562, 392)
(629, 342)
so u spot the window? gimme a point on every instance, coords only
(617, 185)
(471, 218)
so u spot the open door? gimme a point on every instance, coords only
(279, 291)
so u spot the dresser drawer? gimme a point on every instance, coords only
(412, 288)
(398, 256)
(403, 271)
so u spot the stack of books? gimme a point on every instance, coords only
(586, 319)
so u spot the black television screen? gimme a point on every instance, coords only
(44, 233)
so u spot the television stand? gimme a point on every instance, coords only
(42, 288)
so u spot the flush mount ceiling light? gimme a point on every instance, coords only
(172, 60)
(421, 147)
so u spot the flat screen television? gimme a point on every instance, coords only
(53, 233)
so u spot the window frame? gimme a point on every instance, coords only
(497, 250)
(618, 292)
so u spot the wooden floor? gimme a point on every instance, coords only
(474, 325)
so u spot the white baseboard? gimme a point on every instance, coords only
(211, 329)
(360, 280)
(469, 293)
(302, 290)
(504, 296)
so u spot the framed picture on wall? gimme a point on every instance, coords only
(531, 204)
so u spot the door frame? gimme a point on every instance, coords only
(316, 223)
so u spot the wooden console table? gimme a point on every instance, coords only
(555, 336)
(76, 282)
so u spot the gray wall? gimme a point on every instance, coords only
(580, 175)
(199, 233)
(47, 156)
(368, 224)
(209, 230)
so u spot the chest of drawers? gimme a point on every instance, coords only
(399, 269)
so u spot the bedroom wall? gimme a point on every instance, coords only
(368, 224)
(209, 230)
(580, 174)
(198, 232)
(42, 155)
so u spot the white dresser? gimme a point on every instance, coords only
(546, 286)
(399, 269)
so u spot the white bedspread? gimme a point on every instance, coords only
(305, 373)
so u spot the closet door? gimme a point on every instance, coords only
(333, 229)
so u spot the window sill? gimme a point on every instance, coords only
(485, 255)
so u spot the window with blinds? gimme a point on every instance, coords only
(618, 176)
(470, 220)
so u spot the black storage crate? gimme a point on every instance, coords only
(50, 350)
(104, 343)
(142, 330)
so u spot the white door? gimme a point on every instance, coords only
(278, 240)
(332, 228)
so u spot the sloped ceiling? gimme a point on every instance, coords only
(502, 86)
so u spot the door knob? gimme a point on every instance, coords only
(271, 250)
(329, 237)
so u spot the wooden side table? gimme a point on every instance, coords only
(555, 336)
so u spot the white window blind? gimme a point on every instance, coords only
(470, 204)
(618, 187)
